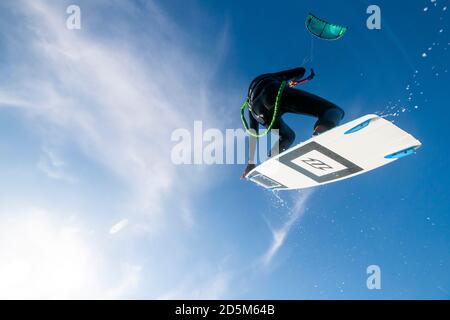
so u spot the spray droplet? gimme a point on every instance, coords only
(424, 55)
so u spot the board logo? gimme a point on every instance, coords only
(317, 164)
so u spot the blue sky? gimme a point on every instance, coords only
(92, 207)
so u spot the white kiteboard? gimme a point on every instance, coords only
(351, 149)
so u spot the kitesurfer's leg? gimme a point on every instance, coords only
(301, 102)
(286, 137)
(328, 120)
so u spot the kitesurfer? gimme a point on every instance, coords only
(262, 95)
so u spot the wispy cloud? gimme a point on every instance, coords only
(113, 97)
(279, 235)
(54, 166)
(115, 102)
(119, 226)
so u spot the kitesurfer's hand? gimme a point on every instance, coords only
(247, 170)
(295, 82)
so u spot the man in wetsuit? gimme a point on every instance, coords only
(262, 95)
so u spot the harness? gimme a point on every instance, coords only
(275, 112)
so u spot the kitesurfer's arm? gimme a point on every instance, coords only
(252, 146)
(291, 74)
(254, 127)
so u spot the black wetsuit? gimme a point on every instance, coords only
(262, 95)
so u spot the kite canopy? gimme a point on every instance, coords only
(323, 29)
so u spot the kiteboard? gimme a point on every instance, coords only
(348, 150)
